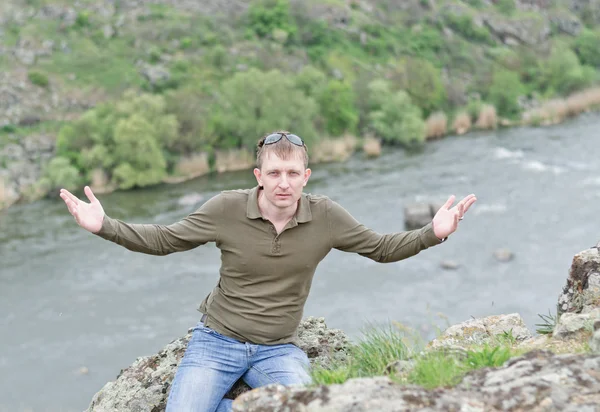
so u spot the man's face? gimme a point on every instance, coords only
(282, 180)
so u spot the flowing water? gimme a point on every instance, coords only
(76, 309)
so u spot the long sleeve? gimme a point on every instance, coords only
(194, 230)
(348, 235)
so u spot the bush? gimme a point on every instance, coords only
(39, 79)
(253, 103)
(563, 73)
(266, 16)
(463, 24)
(336, 105)
(393, 117)
(59, 173)
(587, 47)
(504, 92)
(311, 81)
(125, 139)
(423, 82)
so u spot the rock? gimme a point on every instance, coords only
(108, 31)
(503, 255)
(526, 30)
(417, 215)
(190, 199)
(595, 342)
(155, 74)
(449, 265)
(400, 367)
(582, 292)
(481, 331)
(538, 380)
(570, 324)
(566, 23)
(144, 386)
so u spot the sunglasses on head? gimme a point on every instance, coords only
(275, 137)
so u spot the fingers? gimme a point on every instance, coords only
(449, 202)
(90, 195)
(65, 194)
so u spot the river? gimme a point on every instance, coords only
(76, 309)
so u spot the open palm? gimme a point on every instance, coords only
(445, 221)
(87, 215)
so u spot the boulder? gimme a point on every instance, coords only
(530, 30)
(581, 294)
(481, 331)
(417, 215)
(538, 380)
(576, 324)
(144, 386)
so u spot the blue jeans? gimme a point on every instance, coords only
(212, 363)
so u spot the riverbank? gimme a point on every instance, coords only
(25, 160)
(376, 370)
(209, 80)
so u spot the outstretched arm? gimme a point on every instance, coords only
(347, 234)
(196, 229)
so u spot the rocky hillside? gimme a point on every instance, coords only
(223, 72)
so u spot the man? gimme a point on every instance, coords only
(272, 238)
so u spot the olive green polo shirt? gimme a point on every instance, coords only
(265, 277)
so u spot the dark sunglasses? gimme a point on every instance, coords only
(275, 137)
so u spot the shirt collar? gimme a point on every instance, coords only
(303, 214)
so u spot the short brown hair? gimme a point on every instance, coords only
(283, 149)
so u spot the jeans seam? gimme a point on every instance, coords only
(269, 377)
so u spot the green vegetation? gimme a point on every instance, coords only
(547, 325)
(379, 348)
(218, 82)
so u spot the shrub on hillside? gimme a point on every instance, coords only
(59, 173)
(587, 47)
(336, 105)
(126, 140)
(422, 81)
(393, 117)
(267, 16)
(311, 81)
(463, 24)
(39, 79)
(562, 73)
(504, 92)
(253, 103)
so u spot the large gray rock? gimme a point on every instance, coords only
(144, 386)
(573, 325)
(581, 294)
(528, 30)
(419, 214)
(537, 381)
(480, 331)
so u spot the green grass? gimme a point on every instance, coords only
(110, 66)
(380, 347)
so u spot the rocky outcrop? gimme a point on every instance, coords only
(22, 163)
(581, 294)
(481, 331)
(560, 370)
(527, 30)
(144, 386)
(538, 380)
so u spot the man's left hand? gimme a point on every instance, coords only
(445, 221)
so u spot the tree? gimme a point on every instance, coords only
(393, 117)
(336, 104)
(253, 103)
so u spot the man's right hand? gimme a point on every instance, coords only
(87, 215)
